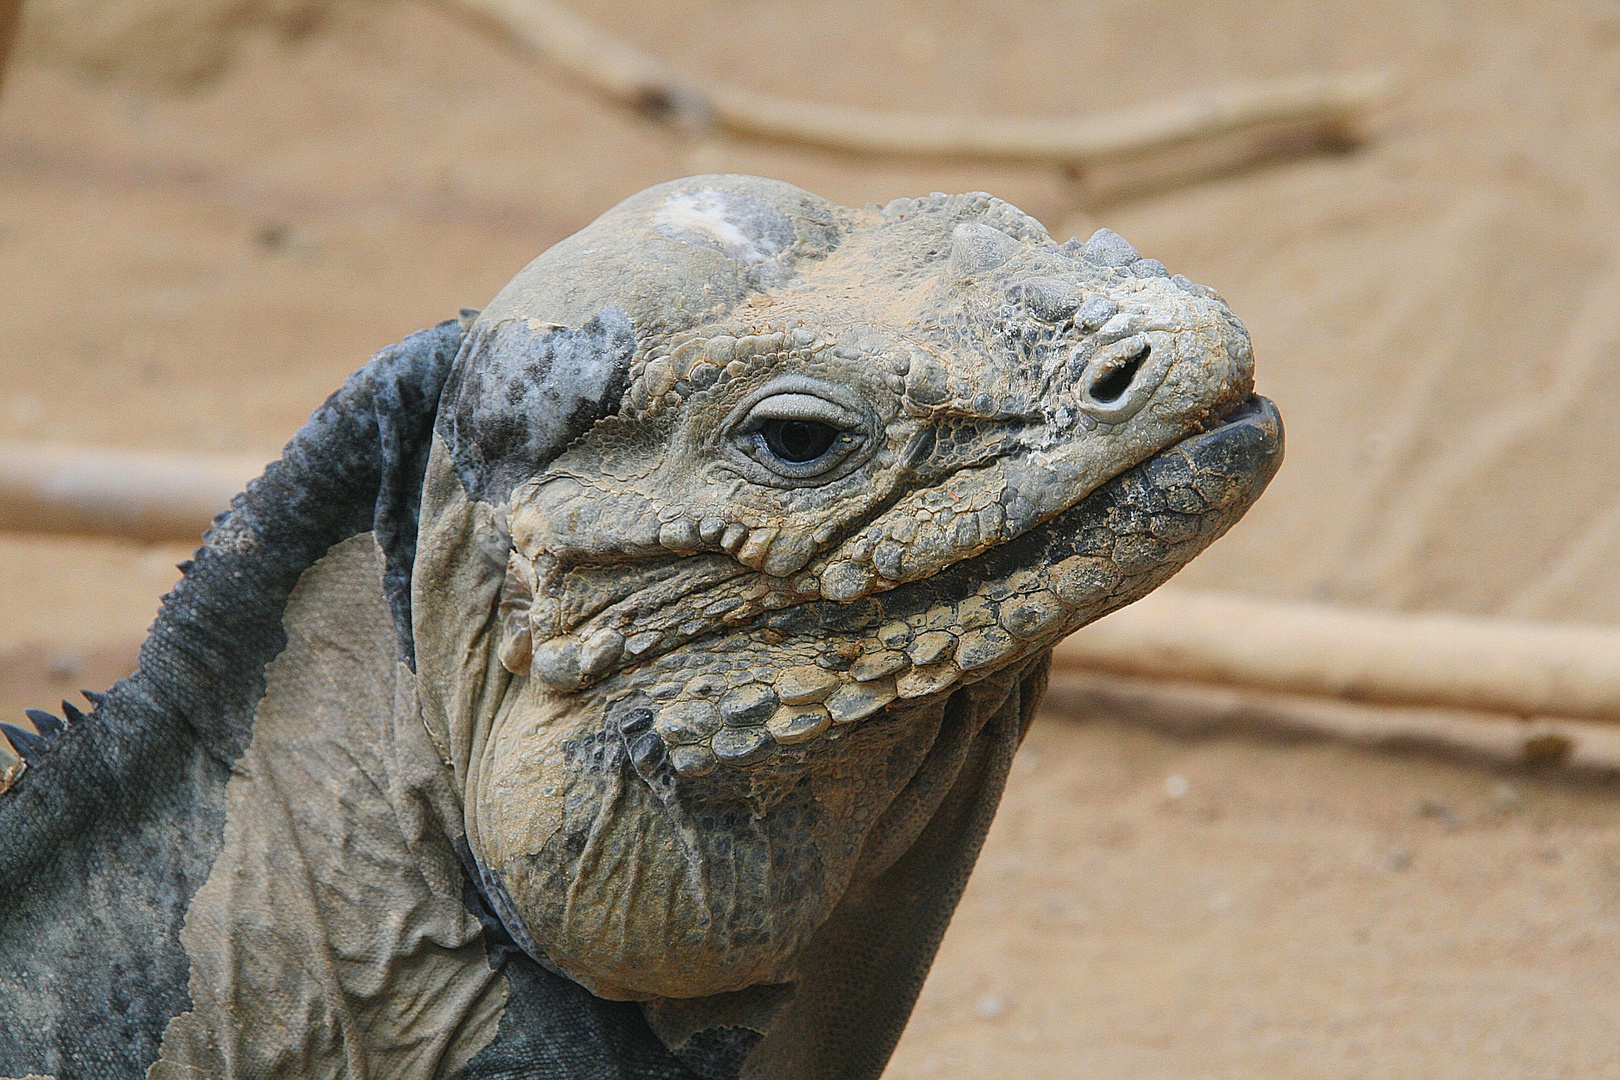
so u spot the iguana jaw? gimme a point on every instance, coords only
(833, 664)
(636, 835)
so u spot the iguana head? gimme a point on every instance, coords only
(745, 489)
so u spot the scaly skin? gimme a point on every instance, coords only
(620, 682)
(708, 643)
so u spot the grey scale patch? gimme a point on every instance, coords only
(521, 392)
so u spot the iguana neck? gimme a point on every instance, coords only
(337, 896)
(126, 810)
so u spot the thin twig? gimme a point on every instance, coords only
(550, 31)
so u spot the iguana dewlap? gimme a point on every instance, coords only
(619, 682)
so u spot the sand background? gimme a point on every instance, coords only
(212, 210)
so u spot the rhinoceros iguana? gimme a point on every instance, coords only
(619, 682)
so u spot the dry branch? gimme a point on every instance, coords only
(551, 32)
(1507, 666)
(144, 496)
(1201, 709)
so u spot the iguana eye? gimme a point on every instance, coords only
(798, 442)
(799, 436)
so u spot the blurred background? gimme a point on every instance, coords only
(211, 211)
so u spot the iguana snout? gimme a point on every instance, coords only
(832, 475)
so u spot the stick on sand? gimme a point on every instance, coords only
(551, 32)
(1510, 666)
(141, 496)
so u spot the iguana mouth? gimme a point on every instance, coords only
(835, 664)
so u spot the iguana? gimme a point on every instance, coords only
(619, 682)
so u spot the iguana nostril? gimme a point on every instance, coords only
(1112, 386)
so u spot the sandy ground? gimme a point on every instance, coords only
(1438, 315)
(1149, 906)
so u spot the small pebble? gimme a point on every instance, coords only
(990, 1007)
(280, 236)
(1436, 810)
(1176, 786)
(65, 666)
(1069, 911)
(1506, 797)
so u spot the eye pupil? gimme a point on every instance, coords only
(798, 441)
